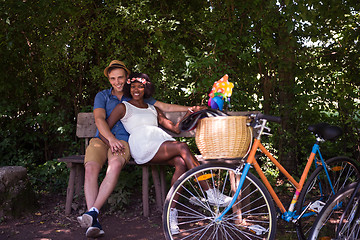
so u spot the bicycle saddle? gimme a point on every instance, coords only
(190, 122)
(326, 131)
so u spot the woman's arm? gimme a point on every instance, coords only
(116, 114)
(166, 107)
(168, 124)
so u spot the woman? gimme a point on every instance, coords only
(149, 143)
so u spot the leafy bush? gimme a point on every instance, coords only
(297, 60)
(129, 183)
(51, 176)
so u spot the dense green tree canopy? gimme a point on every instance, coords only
(296, 59)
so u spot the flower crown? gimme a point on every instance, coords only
(142, 80)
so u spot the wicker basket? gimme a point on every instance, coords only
(223, 137)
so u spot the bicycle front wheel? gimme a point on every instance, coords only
(342, 171)
(327, 223)
(252, 216)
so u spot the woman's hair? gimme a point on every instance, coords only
(138, 77)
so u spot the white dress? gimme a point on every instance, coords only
(145, 135)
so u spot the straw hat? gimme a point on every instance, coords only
(116, 64)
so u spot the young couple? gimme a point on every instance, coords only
(130, 101)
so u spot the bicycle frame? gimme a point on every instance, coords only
(286, 215)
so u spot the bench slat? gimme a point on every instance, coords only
(73, 159)
(85, 127)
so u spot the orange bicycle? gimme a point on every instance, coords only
(251, 213)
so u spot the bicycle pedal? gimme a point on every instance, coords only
(257, 229)
(316, 206)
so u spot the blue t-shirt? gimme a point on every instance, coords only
(107, 101)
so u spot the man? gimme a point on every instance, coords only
(98, 152)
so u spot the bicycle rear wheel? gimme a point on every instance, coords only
(342, 171)
(253, 215)
(328, 220)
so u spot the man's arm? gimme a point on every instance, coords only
(101, 124)
(104, 129)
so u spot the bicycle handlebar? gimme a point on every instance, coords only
(268, 117)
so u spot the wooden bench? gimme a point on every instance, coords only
(86, 129)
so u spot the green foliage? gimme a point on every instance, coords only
(298, 60)
(51, 176)
(269, 168)
(128, 180)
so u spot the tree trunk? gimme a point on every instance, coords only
(287, 141)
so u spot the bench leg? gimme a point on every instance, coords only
(70, 189)
(157, 184)
(79, 179)
(79, 185)
(145, 190)
(162, 184)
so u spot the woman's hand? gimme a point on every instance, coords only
(192, 110)
(196, 108)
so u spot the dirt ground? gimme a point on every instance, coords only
(50, 222)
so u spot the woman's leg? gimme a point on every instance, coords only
(172, 149)
(180, 168)
(178, 154)
(169, 150)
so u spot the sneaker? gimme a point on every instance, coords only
(215, 197)
(174, 228)
(198, 201)
(86, 220)
(95, 230)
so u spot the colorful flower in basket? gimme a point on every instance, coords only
(220, 93)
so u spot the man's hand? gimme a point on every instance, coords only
(116, 146)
